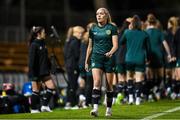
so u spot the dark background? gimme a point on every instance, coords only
(18, 16)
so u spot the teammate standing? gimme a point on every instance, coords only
(39, 70)
(71, 59)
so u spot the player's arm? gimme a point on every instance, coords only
(88, 54)
(115, 46)
(166, 46)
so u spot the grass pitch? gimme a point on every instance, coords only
(118, 111)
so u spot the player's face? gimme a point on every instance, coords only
(101, 16)
(43, 34)
(169, 25)
(79, 34)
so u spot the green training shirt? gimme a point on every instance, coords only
(102, 38)
(137, 44)
(156, 38)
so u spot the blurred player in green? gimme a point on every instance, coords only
(137, 45)
(156, 67)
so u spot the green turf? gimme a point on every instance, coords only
(173, 115)
(119, 112)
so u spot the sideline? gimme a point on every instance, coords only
(161, 114)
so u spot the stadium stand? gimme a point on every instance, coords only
(14, 63)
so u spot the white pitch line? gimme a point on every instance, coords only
(161, 114)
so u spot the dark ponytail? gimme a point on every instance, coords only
(151, 19)
(33, 34)
(136, 22)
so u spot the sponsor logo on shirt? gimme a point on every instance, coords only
(95, 33)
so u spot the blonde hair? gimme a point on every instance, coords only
(174, 22)
(113, 23)
(109, 20)
(69, 32)
(89, 25)
(78, 29)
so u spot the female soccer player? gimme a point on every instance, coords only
(176, 87)
(120, 63)
(39, 70)
(172, 27)
(103, 42)
(156, 63)
(137, 46)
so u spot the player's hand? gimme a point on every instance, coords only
(147, 62)
(108, 54)
(173, 59)
(87, 67)
(169, 58)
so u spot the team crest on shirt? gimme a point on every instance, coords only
(177, 64)
(93, 64)
(108, 32)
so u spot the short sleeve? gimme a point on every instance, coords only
(123, 37)
(114, 30)
(91, 33)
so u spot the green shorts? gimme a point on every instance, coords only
(156, 62)
(135, 67)
(170, 65)
(103, 62)
(83, 72)
(121, 68)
